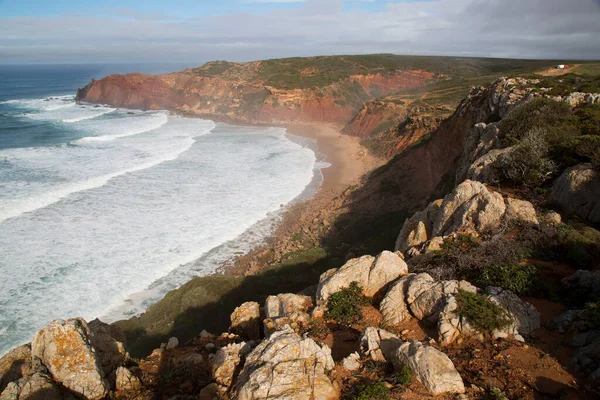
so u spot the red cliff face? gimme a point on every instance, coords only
(245, 97)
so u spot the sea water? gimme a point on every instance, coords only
(104, 210)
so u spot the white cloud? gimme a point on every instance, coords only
(507, 28)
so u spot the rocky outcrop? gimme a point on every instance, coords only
(108, 342)
(425, 296)
(378, 344)
(430, 366)
(38, 386)
(471, 208)
(285, 366)
(246, 321)
(577, 192)
(226, 362)
(65, 349)
(394, 308)
(15, 364)
(287, 309)
(372, 274)
(126, 381)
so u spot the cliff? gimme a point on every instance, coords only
(247, 92)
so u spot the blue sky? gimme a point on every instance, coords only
(196, 31)
(176, 8)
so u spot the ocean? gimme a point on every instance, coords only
(105, 210)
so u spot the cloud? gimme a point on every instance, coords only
(501, 28)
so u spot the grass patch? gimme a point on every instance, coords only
(484, 315)
(373, 391)
(402, 377)
(345, 306)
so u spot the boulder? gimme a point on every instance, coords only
(470, 207)
(172, 343)
(245, 320)
(286, 304)
(38, 386)
(577, 192)
(521, 211)
(225, 363)
(126, 381)
(451, 326)
(480, 140)
(424, 296)
(394, 308)
(15, 364)
(371, 274)
(418, 228)
(583, 281)
(109, 343)
(352, 362)
(430, 366)
(65, 349)
(526, 318)
(379, 344)
(285, 366)
(485, 168)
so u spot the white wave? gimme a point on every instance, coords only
(43, 160)
(88, 116)
(47, 103)
(131, 239)
(126, 126)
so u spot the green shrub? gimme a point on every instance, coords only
(402, 377)
(373, 391)
(484, 315)
(591, 315)
(497, 394)
(530, 163)
(516, 278)
(345, 306)
(578, 247)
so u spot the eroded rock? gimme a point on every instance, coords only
(38, 386)
(285, 366)
(246, 321)
(577, 191)
(15, 364)
(127, 381)
(379, 344)
(394, 308)
(526, 317)
(430, 366)
(65, 349)
(371, 274)
(225, 363)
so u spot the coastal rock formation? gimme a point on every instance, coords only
(246, 321)
(526, 317)
(247, 92)
(430, 366)
(577, 191)
(371, 274)
(65, 349)
(285, 366)
(424, 295)
(225, 363)
(126, 381)
(287, 309)
(38, 386)
(471, 208)
(15, 364)
(108, 342)
(394, 308)
(378, 344)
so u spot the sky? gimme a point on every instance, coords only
(196, 31)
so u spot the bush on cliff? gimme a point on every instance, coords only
(484, 315)
(345, 306)
(519, 279)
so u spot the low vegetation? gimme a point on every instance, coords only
(519, 279)
(484, 315)
(548, 136)
(373, 391)
(345, 306)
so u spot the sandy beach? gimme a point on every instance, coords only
(348, 158)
